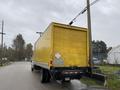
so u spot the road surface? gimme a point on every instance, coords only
(18, 76)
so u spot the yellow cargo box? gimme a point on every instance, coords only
(62, 46)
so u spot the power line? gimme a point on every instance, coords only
(83, 11)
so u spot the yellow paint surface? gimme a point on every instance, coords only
(43, 47)
(69, 41)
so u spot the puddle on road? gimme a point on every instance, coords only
(77, 85)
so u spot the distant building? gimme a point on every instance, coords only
(114, 55)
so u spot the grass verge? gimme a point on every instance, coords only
(113, 80)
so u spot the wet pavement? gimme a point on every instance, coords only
(18, 76)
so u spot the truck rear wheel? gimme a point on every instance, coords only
(45, 76)
(32, 68)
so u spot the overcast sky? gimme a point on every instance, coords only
(29, 16)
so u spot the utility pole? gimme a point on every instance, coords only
(2, 33)
(90, 34)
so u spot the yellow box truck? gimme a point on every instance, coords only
(62, 52)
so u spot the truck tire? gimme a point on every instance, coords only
(32, 68)
(45, 76)
(48, 76)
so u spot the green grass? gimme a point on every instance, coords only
(90, 82)
(4, 64)
(113, 80)
(109, 69)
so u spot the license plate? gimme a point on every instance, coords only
(67, 79)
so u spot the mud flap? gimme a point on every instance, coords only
(97, 76)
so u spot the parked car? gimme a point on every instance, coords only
(96, 61)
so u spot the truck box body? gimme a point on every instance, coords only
(62, 46)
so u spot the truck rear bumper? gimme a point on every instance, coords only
(71, 72)
(76, 73)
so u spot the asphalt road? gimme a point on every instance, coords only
(18, 76)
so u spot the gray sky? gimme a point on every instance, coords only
(29, 16)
